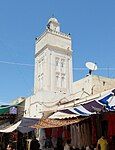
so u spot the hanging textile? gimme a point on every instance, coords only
(94, 135)
(111, 125)
(51, 123)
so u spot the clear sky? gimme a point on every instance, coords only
(90, 22)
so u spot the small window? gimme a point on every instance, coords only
(62, 63)
(57, 80)
(63, 81)
(57, 62)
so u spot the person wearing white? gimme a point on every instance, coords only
(66, 147)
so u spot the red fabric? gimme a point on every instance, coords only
(57, 132)
(60, 131)
(111, 124)
(54, 132)
(48, 132)
(94, 136)
(66, 134)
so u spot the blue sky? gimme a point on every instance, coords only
(90, 22)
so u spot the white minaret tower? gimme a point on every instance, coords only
(53, 60)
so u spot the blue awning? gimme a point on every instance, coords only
(103, 103)
(26, 123)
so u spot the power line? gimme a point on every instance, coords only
(101, 68)
(15, 63)
(76, 68)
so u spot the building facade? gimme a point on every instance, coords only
(53, 60)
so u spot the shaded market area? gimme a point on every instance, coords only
(82, 124)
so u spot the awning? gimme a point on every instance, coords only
(26, 123)
(102, 104)
(11, 128)
(78, 111)
(62, 115)
(4, 110)
(109, 101)
(23, 125)
(51, 123)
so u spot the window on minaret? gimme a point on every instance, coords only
(41, 82)
(40, 73)
(63, 81)
(40, 66)
(57, 65)
(57, 62)
(62, 65)
(57, 80)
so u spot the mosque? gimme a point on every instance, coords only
(83, 108)
(53, 76)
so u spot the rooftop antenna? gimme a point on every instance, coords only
(91, 66)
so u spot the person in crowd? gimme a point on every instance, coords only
(102, 143)
(67, 145)
(91, 147)
(34, 145)
(10, 147)
(48, 143)
(88, 148)
(60, 143)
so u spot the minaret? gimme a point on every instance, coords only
(53, 60)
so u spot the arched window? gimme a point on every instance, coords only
(57, 80)
(57, 62)
(63, 84)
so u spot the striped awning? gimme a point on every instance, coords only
(62, 115)
(104, 103)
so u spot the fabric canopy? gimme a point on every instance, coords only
(4, 110)
(26, 123)
(11, 128)
(62, 115)
(51, 123)
(101, 104)
(23, 125)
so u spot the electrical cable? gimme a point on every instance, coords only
(31, 65)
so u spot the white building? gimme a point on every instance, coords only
(53, 60)
(53, 81)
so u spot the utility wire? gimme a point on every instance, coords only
(30, 65)
(15, 63)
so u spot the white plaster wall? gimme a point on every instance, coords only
(92, 85)
(32, 108)
(83, 84)
(54, 39)
(40, 102)
(50, 45)
(102, 84)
